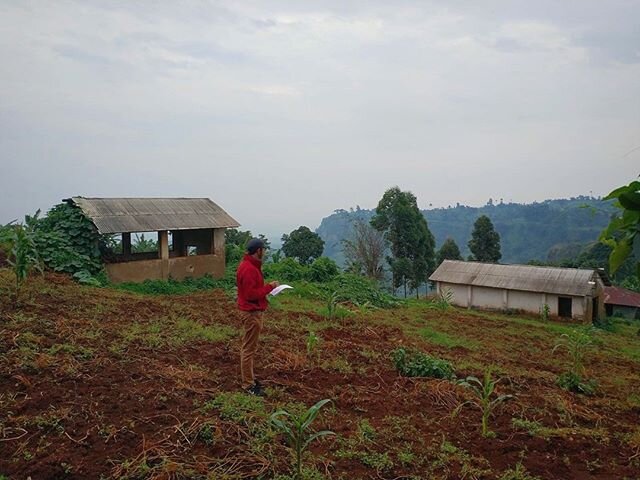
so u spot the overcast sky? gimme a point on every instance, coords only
(282, 111)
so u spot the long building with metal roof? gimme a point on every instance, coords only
(563, 292)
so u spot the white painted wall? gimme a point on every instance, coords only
(485, 297)
(459, 293)
(494, 298)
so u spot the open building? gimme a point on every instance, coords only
(620, 302)
(568, 292)
(190, 236)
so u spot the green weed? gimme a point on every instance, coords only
(412, 363)
(519, 472)
(237, 406)
(441, 338)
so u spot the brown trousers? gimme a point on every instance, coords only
(252, 323)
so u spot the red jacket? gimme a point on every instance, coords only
(252, 292)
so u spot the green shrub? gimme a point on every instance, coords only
(575, 383)
(413, 363)
(68, 242)
(322, 269)
(286, 270)
(175, 287)
(359, 291)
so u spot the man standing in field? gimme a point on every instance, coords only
(252, 302)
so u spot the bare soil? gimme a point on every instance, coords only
(96, 383)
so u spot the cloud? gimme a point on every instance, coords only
(312, 106)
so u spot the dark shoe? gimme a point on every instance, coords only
(255, 389)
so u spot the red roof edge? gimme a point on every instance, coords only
(621, 296)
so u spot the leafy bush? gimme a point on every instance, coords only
(322, 269)
(67, 240)
(575, 383)
(413, 363)
(286, 270)
(290, 270)
(359, 291)
(175, 287)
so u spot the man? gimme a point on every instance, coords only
(252, 302)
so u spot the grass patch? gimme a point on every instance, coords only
(77, 351)
(440, 338)
(175, 287)
(175, 332)
(518, 473)
(237, 407)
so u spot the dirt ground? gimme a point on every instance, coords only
(96, 383)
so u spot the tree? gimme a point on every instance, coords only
(302, 244)
(412, 244)
(623, 232)
(485, 241)
(364, 252)
(236, 244)
(448, 251)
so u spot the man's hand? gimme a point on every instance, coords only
(274, 284)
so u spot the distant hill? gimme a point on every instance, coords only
(534, 231)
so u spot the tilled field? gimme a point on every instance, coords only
(96, 383)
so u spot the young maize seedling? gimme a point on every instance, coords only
(313, 340)
(297, 432)
(483, 390)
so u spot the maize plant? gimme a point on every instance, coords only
(577, 343)
(545, 311)
(297, 433)
(313, 340)
(23, 253)
(443, 301)
(483, 391)
(332, 305)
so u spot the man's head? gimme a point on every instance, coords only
(256, 248)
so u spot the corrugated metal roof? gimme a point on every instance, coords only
(621, 296)
(121, 215)
(528, 278)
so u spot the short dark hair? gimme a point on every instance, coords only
(254, 245)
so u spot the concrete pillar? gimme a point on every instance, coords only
(505, 299)
(126, 244)
(163, 250)
(587, 309)
(469, 296)
(218, 245)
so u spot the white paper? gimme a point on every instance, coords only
(277, 290)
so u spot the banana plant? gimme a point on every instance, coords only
(296, 430)
(483, 391)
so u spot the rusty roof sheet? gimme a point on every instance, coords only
(528, 278)
(621, 296)
(122, 215)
